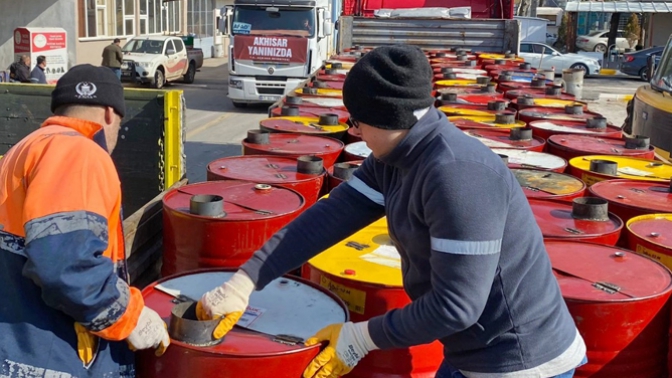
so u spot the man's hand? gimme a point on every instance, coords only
(150, 332)
(87, 344)
(228, 302)
(348, 343)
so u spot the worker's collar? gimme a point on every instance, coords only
(408, 151)
(89, 129)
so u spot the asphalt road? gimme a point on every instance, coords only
(215, 128)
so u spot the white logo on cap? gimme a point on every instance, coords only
(86, 89)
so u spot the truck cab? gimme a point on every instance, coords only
(275, 45)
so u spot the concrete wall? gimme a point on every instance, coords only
(36, 13)
(661, 29)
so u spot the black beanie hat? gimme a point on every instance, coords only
(85, 84)
(387, 85)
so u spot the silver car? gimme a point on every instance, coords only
(597, 41)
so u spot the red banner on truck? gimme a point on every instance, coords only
(270, 49)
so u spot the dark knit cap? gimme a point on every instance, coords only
(387, 85)
(85, 84)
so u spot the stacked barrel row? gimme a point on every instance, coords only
(560, 152)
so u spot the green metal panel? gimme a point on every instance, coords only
(139, 153)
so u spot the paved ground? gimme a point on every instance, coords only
(215, 128)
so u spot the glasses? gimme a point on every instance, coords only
(354, 123)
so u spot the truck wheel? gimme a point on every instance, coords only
(159, 79)
(239, 105)
(191, 73)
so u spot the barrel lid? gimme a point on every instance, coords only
(572, 127)
(587, 271)
(553, 102)
(556, 114)
(629, 167)
(266, 169)
(537, 93)
(654, 228)
(304, 125)
(543, 183)
(368, 256)
(651, 196)
(322, 92)
(325, 102)
(500, 139)
(531, 159)
(346, 64)
(458, 83)
(474, 90)
(312, 111)
(464, 70)
(286, 306)
(451, 110)
(450, 57)
(330, 170)
(243, 201)
(358, 149)
(482, 121)
(555, 219)
(460, 76)
(298, 144)
(594, 145)
(499, 57)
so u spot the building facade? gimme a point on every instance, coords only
(93, 24)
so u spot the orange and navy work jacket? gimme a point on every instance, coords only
(62, 257)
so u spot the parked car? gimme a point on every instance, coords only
(541, 54)
(634, 63)
(157, 60)
(597, 41)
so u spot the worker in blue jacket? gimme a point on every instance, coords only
(473, 258)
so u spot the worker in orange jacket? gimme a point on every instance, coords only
(67, 309)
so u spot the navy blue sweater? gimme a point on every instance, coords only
(472, 256)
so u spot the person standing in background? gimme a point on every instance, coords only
(112, 57)
(20, 71)
(37, 75)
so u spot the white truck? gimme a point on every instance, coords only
(275, 45)
(158, 59)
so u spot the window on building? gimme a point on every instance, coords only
(106, 18)
(199, 18)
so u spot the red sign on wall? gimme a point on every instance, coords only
(270, 49)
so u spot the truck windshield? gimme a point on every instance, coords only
(259, 21)
(662, 78)
(146, 46)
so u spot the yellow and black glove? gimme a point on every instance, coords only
(86, 344)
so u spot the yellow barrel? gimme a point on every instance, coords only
(365, 271)
(625, 168)
(305, 125)
(457, 83)
(651, 235)
(344, 64)
(457, 111)
(500, 57)
(480, 122)
(320, 92)
(556, 103)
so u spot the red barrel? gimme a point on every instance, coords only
(356, 151)
(324, 102)
(546, 128)
(341, 172)
(651, 235)
(539, 84)
(326, 84)
(568, 221)
(539, 93)
(222, 223)
(453, 58)
(571, 146)
(455, 64)
(487, 90)
(629, 199)
(492, 109)
(532, 159)
(569, 113)
(287, 306)
(368, 278)
(292, 145)
(517, 138)
(326, 125)
(265, 169)
(510, 66)
(549, 185)
(330, 77)
(618, 300)
(457, 76)
(503, 120)
(309, 111)
(352, 136)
